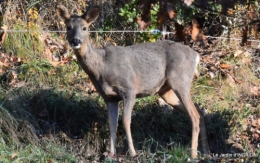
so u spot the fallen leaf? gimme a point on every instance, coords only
(3, 33)
(238, 53)
(14, 74)
(196, 33)
(47, 54)
(19, 84)
(142, 24)
(254, 90)
(195, 30)
(13, 155)
(256, 136)
(51, 161)
(244, 32)
(144, 21)
(230, 80)
(65, 137)
(57, 63)
(246, 60)
(188, 2)
(95, 127)
(211, 74)
(225, 66)
(170, 10)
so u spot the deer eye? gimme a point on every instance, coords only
(68, 28)
(84, 28)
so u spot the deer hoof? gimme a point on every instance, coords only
(133, 154)
(111, 155)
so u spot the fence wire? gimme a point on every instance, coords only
(155, 31)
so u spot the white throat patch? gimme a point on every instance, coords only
(76, 47)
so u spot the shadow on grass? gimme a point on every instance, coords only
(81, 122)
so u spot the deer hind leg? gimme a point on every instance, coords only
(113, 123)
(181, 95)
(171, 98)
(129, 100)
(203, 134)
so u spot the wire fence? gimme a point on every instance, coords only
(155, 31)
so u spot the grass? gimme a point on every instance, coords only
(19, 142)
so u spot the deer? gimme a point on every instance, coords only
(124, 73)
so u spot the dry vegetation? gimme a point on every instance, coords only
(50, 112)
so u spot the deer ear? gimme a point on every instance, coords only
(63, 12)
(91, 15)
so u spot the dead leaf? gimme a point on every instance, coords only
(252, 15)
(255, 90)
(238, 53)
(57, 63)
(196, 33)
(19, 84)
(142, 24)
(256, 136)
(47, 54)
(195, 30)
(65, 137)
(225, 66)
(95, 127)
(211, 74)
(170, 10)
(188, 2)
(231, 80)
(14, 155)
(51, 161)
(244, 32)
(14, 74)
(3, 33)
(144, 21)
(161, 18)
(246, 61)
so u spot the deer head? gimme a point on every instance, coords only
(77, 26)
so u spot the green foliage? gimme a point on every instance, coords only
(33, 153)
(129, 11)
(176, 153)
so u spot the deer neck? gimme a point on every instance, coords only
(91, 60)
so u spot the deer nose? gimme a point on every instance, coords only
(75, 42)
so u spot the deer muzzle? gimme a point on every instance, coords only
(75, 43)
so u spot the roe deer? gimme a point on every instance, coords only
(125, 73)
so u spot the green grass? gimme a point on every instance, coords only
(19, 142)
(42, 152)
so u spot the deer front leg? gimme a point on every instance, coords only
(129, 101)
(113, 122)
